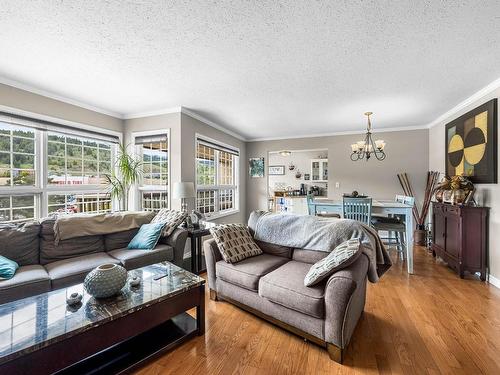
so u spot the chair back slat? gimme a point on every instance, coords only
(359, 209)
(311, 207)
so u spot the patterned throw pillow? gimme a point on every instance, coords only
(342, 256)
(171, 218)
(235, 242)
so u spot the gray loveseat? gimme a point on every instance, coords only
(271, 286)
(45, 266)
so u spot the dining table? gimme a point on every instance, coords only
(382, 207)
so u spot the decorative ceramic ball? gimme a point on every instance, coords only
(105, 280)
(74, 299)
(134, 281)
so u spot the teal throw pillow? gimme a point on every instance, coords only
(147, 237)
(8, 268)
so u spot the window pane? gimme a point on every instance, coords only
(4, 143)
(205, 165)
(226, 168)
(23, 201)
(22, 161)
(23, 145)
(155, 159)
(23, 177)
(56, 149)
(4, 160)
(154, 201)
(90, 153)
(4, 177)
(205, 201)
(226, 199)
(73, 151)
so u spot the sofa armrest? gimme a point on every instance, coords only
(178, 242)
(212, 256)
(345, 301)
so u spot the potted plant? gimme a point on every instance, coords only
(128, 173)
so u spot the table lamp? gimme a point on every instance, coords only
(183, 190)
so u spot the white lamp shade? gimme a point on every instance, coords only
(183, 190)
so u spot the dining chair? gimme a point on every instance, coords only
(359, 209)
(394, 224)
(312, 209)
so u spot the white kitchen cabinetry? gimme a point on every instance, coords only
(319, 170)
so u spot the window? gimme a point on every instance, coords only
(216, 178)
(153, 150)
(47, 168)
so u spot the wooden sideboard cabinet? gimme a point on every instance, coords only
(460, 237)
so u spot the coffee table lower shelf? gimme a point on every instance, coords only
(134, 352)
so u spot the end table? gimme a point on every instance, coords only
(196, 235)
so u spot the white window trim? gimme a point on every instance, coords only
(41, 189)
(136, 199)
(236, 186)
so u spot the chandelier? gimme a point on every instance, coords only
(366, 148)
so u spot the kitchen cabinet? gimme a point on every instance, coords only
(319, 170)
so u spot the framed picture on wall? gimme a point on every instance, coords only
(471, 145)
(256, 167)
(276, 170)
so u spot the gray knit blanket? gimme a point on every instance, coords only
(320, 234)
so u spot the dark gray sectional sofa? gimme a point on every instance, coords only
(45, 266)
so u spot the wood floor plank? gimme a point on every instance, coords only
(431, 322)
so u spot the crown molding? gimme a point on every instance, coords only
(158, 112)
(332, 134)
(51, 95)
(488, 89)
(206, 121)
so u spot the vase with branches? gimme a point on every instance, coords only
(127, 173)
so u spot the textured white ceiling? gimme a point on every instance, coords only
(260, 68)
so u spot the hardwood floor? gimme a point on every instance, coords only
(429, 323)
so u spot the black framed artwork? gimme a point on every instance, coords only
(471, 144)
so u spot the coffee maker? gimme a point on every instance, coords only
(303, 189)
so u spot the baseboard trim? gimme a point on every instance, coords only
(493, 281)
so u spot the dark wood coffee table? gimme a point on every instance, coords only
(42, 335)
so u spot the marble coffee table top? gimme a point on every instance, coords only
(35, 322)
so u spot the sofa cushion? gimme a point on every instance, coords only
(235, 242)
(273, 249)
(135, 258)
(72, 271)
(171, 218)
(28, 281)
(308, 256)
(8, 268)
(285, 286)
(66, 249)
(119, 240)
(248, 272)
(340, 257)
(20, 242)
(147, 237)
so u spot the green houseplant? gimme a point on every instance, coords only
(126, 174)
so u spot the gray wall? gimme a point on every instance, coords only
(183, 130)
(407, 151)
(486, 194)
(27, 101)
